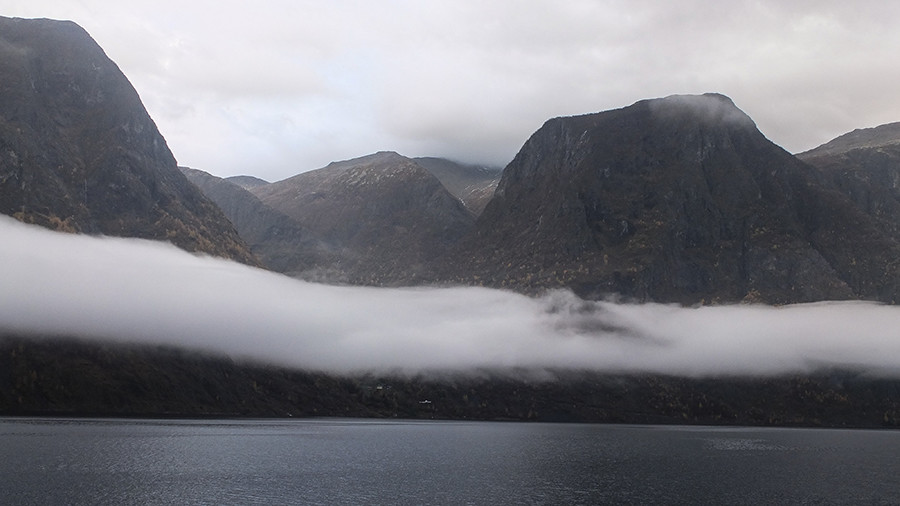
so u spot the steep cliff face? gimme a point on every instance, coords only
(675, 199)
(383, 217)
(79, 152)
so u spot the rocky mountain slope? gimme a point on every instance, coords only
(861, 138)
(383, 217)
(865, 165)
(78, 151)
(676, 199)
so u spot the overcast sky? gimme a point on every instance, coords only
(277, 87)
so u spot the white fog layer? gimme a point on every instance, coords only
(141, 291)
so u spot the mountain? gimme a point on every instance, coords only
(472, 184)
(384, 217)
(278, 241)
(679, 199)
(861, 138)
(336, 248)
(865, 165)
(247, 182)
(78, 151)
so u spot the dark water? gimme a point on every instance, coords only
(57, 461)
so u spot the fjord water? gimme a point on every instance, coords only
(77, 461)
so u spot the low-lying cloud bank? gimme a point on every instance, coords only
(141, 291)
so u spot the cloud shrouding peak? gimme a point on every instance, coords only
(140, 291)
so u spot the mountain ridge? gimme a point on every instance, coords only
(887, 134)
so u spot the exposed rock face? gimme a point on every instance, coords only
(472, 184)
(865, 165)
(675, 199)
(383, 217)
(79, 152)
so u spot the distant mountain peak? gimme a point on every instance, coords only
(382, 215)
(247, 182)
(883, 135)
(380, 158)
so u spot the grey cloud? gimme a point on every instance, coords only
(133, 290)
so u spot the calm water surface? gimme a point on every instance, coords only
(61, 461)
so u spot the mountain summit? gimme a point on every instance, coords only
(79, 152)
(380, 219)
(676, 199)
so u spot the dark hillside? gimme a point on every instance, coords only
(81, 378)
(678, 199)
(384, 217)
(865, 165)
(78, 151)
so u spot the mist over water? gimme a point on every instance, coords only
(133, 290)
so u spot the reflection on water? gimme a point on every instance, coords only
(56, 461)
(741, 444)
